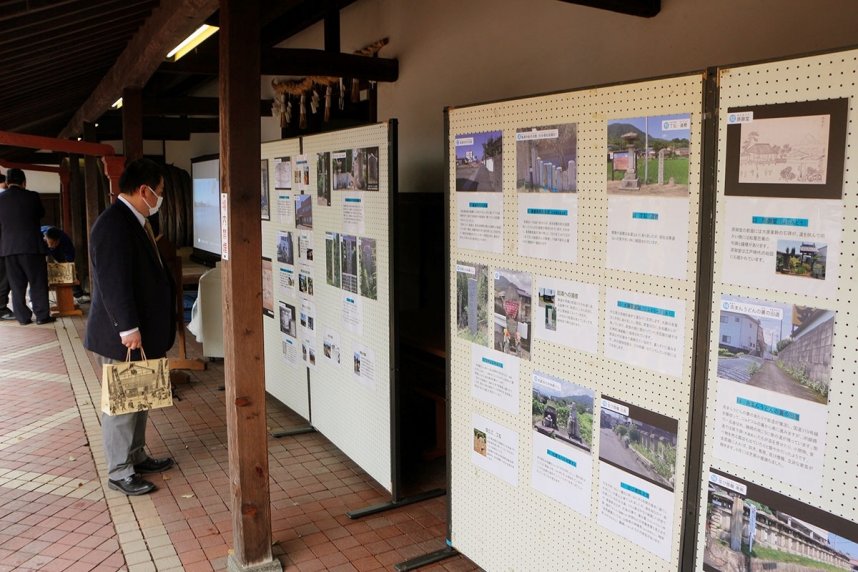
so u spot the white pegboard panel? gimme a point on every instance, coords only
(820, 77)
(288, 383)
(355, 416)
(505, 527)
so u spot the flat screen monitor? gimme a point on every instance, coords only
(205, 172)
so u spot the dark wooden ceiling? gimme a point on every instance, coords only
(54, 53)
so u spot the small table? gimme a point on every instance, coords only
(65, 300)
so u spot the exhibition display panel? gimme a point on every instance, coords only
(327, 207)
(779, 463)
(573, 240)
(285, 373)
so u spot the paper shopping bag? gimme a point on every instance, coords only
(131, 386)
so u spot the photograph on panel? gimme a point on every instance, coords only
(308, 315)
(308, 352)
(638, 441)
(266, 203)
(288, 323)
(267, 288)
(305, 281)
(364, 169)
(546, 159)
(282, 173)
(301, 173)
(480, 442)
(349, 266)
(304, 212)
(285, 248)
(341, 171)
(305, 246)
(801, 258)
(787, 149)
(323, 179)
(649, 156)
(513, 310)
(751, 528)
(562, 410)
(785, 348)
(368, 268)
(331, 346)
(332, 258)
(472, 302)
(479, 162)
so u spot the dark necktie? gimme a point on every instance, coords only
(151, 235)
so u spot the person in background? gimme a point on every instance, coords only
(133, 309)
(60, 247)
(5, 312)
(24, 250)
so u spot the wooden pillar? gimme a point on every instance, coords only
(132, 123)
(332, 28)
(77, 232)
(244, 369)
(113, 167)
(90, 201)
(65, 194)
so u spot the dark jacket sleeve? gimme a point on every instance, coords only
(112, 272)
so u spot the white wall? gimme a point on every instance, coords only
(454, 53)
(41, 182)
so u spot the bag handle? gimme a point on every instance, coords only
(142, 353)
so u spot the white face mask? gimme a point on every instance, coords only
(157, 207)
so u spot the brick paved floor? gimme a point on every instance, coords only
(56, 513)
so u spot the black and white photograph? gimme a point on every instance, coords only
(266, 202)
(285, 248)
(341, 171)
(546, 302)
(791, 150)
(287, 320)
(282, 173)
(638, 441)
(323, 179)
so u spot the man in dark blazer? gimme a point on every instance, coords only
(133, 307)
(23, 249)
(5, 312)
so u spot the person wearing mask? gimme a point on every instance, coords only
(133, 308)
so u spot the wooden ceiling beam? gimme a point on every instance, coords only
(74, 27)
(54, 144)
(168, 25)
(299, 18)
(303, 62)
(192, 106)
(160, 128)
(642, 8)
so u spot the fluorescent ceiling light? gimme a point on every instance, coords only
(117, 104)
(191, 42)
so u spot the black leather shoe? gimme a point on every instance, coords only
(132, 486)
(6, 314)
(27, 323)
(48, 320)
(151, 465)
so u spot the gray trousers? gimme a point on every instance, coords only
(124, 439)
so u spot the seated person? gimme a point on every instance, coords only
(61, 249)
